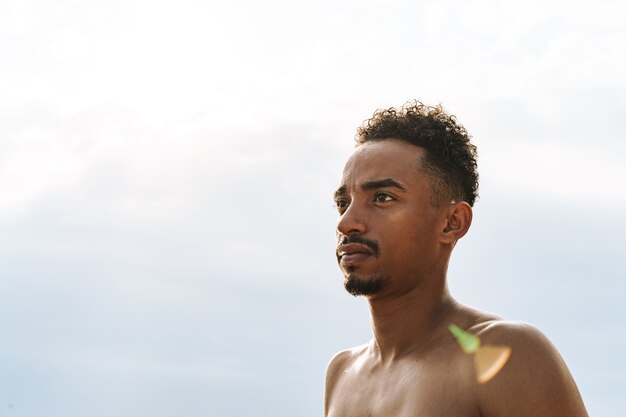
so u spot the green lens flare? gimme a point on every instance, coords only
(469, 343)
(488, 359)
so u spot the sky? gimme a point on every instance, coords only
(166, 176)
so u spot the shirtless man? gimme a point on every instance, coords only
(405, 199)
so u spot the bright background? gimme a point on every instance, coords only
(166, 172)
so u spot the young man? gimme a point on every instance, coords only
(405, 199)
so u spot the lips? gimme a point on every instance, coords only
(352, 253)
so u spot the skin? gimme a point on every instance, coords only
(413, 366)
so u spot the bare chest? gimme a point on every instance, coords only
(408, 390)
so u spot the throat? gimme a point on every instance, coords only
(409, 324)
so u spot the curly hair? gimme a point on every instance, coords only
(450, 158)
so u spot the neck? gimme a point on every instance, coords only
(409, 322)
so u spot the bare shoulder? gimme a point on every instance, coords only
(337, 367)
(535, 381)
(341, 361)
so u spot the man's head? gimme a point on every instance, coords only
(405, 199)
(450, 158)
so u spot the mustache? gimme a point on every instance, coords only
(372, 244)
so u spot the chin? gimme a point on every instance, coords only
(357, 285)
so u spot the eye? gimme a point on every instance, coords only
(341, 204)
(382, 198)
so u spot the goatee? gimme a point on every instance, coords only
(357, 285)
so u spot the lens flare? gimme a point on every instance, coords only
(488, 359)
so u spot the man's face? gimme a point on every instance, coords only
(387, 229)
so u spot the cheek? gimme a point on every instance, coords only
(410, 238)
(409, 224)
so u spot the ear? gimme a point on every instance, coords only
(459, 219)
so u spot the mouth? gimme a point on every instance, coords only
(352, 253)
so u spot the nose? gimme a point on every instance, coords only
(351, 222)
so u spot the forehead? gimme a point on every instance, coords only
(390, 158)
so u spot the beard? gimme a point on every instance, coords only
(357, 285)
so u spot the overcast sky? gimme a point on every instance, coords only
(166, 173)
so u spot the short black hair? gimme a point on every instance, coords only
(450, 158)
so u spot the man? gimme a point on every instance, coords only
(405, 199)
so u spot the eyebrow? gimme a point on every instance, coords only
(341, 191)
(372, 185)
(387, 182)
